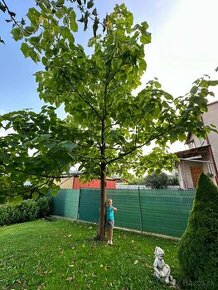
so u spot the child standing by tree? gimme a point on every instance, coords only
(110, 220)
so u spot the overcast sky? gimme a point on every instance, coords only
(184, 47)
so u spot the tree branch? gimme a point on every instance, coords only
(82, 98)
(39, 175)
(139, 146)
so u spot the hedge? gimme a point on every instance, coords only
(27, 210)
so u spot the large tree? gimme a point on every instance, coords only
(109, 119)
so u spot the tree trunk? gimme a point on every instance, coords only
(101, 233)
(101, 229)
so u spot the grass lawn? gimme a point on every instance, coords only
(62, 255)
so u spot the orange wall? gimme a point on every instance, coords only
(95, 183)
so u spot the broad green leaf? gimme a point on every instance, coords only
(145, 39)
(34, 55)
(26, 50)
(17, 33)
(90, 4)
(34, 16)
(35, 195)
(73, 23)
(60, 3)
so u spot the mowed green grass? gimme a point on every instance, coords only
(62, 255)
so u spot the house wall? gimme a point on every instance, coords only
(66, 183)
(184, 169)
(95, 183)
(211, 117)
(75, 183)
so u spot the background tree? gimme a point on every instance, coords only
(156, 181)
(173, 180)
(198, 247)
(106, 125)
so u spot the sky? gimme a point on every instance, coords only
(184, 47)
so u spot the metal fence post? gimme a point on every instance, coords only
(140, 208)
(79, 204)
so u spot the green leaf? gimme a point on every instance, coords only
(29, 30)
(194, 90)
(35, 39)
(26, 50)
(17, 33)
(213, 83)
(54, 192)
(34, 55)
(60, 3)
(35, 195)
(16, 199)
(73, 23)
(90, 4)
(45, 61)
(69, 146)
(149, 107)
(145, 39)
(34, 16)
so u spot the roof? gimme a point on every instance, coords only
(204, 150)
(212, 103)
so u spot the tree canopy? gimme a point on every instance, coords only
(110, 120)
(86, 8)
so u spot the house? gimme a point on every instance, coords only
(202, 155)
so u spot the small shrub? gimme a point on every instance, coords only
(198, 248)
(27, 210)
(44, 205)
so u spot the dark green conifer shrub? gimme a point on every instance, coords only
(198, 247)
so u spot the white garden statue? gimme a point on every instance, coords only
(162, 270)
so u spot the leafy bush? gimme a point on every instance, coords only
(198, 248)
(27, 210)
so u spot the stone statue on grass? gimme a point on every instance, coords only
(161, 269)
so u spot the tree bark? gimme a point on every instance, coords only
(102, 205)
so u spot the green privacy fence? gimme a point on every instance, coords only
(158, 211)
(66, 203)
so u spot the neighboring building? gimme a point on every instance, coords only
(73, 182)
(66, 182)
(95, 183)
(202, 155)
